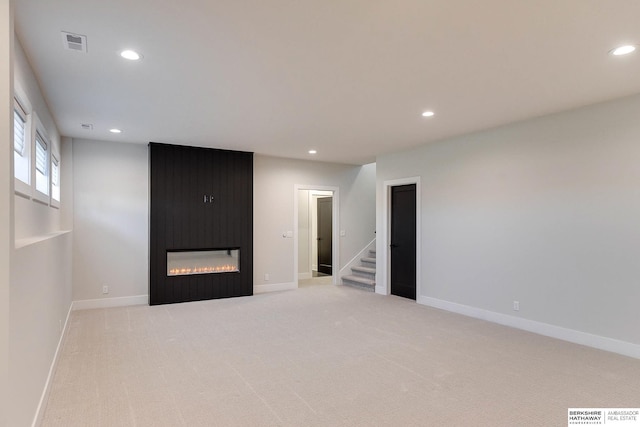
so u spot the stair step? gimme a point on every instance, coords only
(358, 279)
(368, 259)
(359, 282)
(364, 270)
(372, 253)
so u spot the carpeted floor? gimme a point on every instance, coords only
(322, 356)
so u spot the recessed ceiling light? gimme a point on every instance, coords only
(114, 130)
(623, 50)
(428, 114)
(313, 152)
(131, 55)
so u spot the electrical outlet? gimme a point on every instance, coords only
(266, 277)
(516, 306)
(105, 289)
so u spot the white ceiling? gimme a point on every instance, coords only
(349, 78)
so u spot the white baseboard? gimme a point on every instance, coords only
(577, 337)
(37, 419)
(304, 276)
(260, 289)
(109, 302)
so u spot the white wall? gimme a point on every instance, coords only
(40, 303)
(304, 235)
(40, 273)
(358, 206)
(111, 219)
(545, 211)
(6, 201)
(274, 182)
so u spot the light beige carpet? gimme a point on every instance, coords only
(322, 356)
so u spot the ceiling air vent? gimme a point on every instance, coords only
(86, 126)
(76, 42)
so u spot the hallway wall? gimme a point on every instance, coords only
(275, 179)
(304, 235)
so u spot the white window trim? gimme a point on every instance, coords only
(39, 129)
(21, 102)
(55, 157)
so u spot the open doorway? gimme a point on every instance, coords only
(316, 241)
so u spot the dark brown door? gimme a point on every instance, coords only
(324, 235)
(403, 241)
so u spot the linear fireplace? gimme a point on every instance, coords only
(201, 224)
(182, 263)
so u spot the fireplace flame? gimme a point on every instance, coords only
(203, 270)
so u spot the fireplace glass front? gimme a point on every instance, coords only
(182, 263)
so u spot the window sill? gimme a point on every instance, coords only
(22, 189)
(40, 198)
(28, 241)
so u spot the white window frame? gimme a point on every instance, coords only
(55, 186)
(23, 163)
(40, 131)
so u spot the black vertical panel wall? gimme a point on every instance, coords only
(180, 219)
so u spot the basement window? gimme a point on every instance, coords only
(55, 181)
(21, 149)
(41, 168)
(42, 171)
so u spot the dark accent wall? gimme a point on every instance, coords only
(181, 219)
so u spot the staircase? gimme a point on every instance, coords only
(364, 275)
